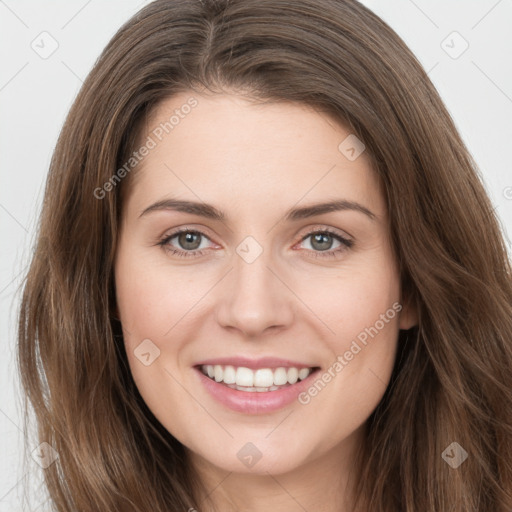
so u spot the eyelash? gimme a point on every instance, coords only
(346, 244)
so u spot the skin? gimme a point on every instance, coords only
(254, 162)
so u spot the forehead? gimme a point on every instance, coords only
(228, 147)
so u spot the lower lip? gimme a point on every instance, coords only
(254, 402)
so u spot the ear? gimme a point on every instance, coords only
(409, 314)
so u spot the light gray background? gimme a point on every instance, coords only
(36, 93)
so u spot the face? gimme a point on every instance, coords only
(223, 267)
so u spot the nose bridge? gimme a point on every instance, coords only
(255, 299)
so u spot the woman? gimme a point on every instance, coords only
(257, 368)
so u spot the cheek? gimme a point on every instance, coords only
(152, 303)
(157, 308)
(356, 300)
(153, 298)
(363, 312)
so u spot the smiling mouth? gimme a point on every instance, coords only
(259, 380)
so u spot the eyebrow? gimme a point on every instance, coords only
(210, 212)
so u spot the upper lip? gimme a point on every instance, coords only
(262, 362)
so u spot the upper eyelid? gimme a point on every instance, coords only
(186, 229)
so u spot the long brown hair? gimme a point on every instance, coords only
(452, 380)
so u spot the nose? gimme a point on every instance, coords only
(255, 298)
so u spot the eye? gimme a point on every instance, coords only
(189, 240)
(322, 241)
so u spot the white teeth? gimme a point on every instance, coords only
(229, 375)
(293, 375)
(263, 378)
(280, 376)
(244, 376)
(260, 380)
(303, 373)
